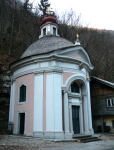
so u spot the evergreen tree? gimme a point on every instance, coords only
(43, 6)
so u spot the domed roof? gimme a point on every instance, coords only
(49, 19)
(46, 45)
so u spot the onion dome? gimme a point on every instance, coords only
(49, 27)
(49, 19)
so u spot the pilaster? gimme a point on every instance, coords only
(11, 110)
(54, 104)
(38, 105)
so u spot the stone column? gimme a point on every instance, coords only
(89, 107)
(66, 113)
(11, 111)
(81, 119)
(86, 115)
(66, 116)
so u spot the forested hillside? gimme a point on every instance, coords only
(20, 27)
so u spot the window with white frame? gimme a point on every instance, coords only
(22, 93)
(75, 88)
(110, 102)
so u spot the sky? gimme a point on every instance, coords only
(94, 13)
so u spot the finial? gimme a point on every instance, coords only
(48, 10)
(77, 36)
(77, 42)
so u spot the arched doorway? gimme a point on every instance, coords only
(74, 97)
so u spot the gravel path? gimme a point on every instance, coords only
(24, 143)
(16, 143)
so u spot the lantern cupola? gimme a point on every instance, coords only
(49, 27)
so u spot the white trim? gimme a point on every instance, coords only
(38, 103)
(12, 102)
(10, 109)
(19, 93)
(48, 69)
(73, 78)
(89, 108)
(18, 122)
(46, 57)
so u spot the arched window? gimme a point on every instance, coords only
(44, 31)
(74, 88)
(22, 94)
(54, 30)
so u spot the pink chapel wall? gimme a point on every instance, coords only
(77, 56)
(66, 75)
(29, 106)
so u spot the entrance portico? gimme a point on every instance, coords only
(76, 107)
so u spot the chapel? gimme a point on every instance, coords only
(50, 87)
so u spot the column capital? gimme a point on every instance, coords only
(64, 91)
(40, 72)
(88, 79)
(12, 81)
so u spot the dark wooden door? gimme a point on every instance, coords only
(75, 117)
(22, 122)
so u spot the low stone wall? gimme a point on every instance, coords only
(3, 126)
(4, 112)
(96, 120)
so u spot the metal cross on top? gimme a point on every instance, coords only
(48, 8)
(49, 12)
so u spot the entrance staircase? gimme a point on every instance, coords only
(81, 138)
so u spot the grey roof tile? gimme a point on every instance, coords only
(46, 45)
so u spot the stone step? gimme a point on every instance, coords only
(87, 138)
(80, 136)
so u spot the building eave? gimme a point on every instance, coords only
(110, 84)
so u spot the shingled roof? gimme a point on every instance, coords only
(47, 44)
(110, 84)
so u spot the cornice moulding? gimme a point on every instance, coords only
(29, 61)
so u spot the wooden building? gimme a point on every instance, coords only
(102, 103)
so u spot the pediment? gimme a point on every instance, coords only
(77, 52)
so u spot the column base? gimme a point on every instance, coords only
(92, 131)
(39, 134)
(10, 127)
(54, 135)
(67, 135)
(87, 132)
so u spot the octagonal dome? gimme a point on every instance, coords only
(47, 44)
